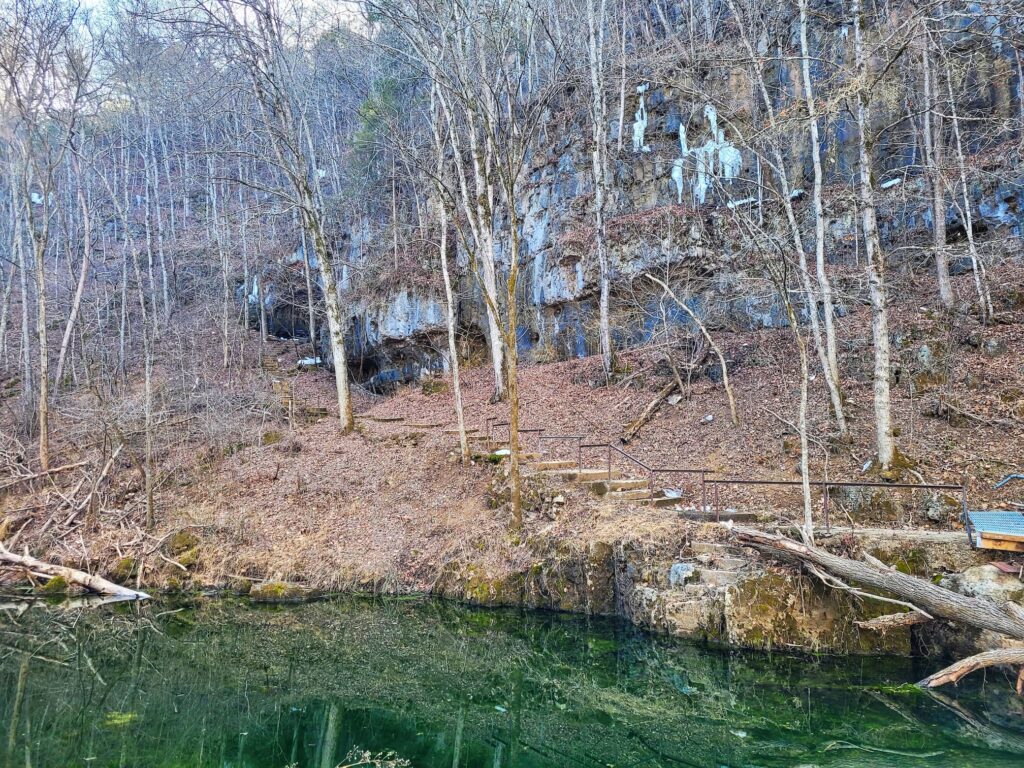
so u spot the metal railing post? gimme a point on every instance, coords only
(824, 504)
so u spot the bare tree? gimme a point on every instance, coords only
(45, 76)
(933, 148)
(268, 48)
(884, 441)
(596, 20)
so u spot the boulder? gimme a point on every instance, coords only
(986, 581)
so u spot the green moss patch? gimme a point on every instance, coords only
(280, 592)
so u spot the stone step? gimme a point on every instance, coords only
(711, 517)
(661, 501)
(718, 578)
(455, 431)
(601, 487)
(424, 425)
(710, 548)
(384, 419)
(730, 563)
(540, 466)
(582, 476)
(635, 494)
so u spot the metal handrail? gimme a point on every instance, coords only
(577, 438)
(651, 471)
(825, 485)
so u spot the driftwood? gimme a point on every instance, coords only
(71, 575)
(920, 595)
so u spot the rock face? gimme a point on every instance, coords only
(687, 154)
(709, 595)
(708, 590)
(395, 340)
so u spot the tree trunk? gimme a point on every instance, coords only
(875, 257)
(622, 76)
(978, 266)
(937, 601)
(307, 275)
(954, 672)
(335, 321)
(44, 380)
(27, 386)
(824, 283)
(829, 371)
(933, 158)
(76, 302)
(595, 28)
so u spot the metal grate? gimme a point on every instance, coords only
(994, 525)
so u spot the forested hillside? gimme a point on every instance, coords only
(318, 291)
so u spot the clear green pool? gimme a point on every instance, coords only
(225, 683)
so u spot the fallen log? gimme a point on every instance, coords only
(71, 575)
(892, 621)
(1004, 657)
(936, 600)
(921, 594)
(648, 413)
(45, 473)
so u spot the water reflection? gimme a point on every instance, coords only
(222, 683)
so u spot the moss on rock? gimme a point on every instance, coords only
(180, 542)
(280, 592)
(58, 585)
(124, 570)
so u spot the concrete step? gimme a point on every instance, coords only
(710, 548)
(662, 501)
(601, 487)
(730, 563)
(718, 578)
(541, 465)
(736, 517)
(585, 476)
(635, 494)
